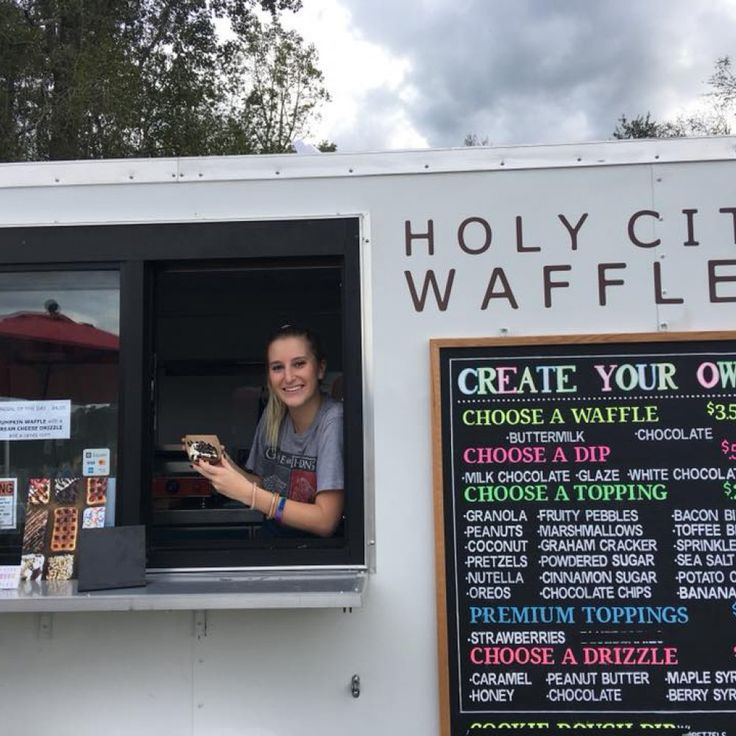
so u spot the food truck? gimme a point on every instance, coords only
(535, 348)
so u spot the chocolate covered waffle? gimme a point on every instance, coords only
(66, 489)
(203, 447)
(34, 533)
(200, 450)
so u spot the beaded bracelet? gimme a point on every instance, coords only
(278, 517)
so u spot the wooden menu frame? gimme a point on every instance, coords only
(437, 345)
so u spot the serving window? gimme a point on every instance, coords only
(211, 323)
(190, 306)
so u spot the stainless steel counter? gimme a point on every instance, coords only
(198, 591)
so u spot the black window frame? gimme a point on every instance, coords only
(136, 250)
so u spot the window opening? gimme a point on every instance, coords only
(211, 324)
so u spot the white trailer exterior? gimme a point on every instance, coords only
(624, 237)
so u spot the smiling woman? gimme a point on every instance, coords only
(294, 472)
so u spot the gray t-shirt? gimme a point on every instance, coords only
(303, 464)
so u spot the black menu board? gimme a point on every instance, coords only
(585, 505)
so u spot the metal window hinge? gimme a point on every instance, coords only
(200, 624)
(46, 626)
(355, 686)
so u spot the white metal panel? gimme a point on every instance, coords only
(289, 671)
(84, 674)
(245, 684)
(58, 174)
(706, 187)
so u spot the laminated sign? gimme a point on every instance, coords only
(8, 501)
(35, 420)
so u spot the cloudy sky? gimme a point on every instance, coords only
(416, 73)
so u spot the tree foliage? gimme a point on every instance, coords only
(473, 139)
(275, 88)
(718, 110)
(642, 126)
(115, 78)
(723, 89)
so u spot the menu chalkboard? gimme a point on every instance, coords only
(585, 506)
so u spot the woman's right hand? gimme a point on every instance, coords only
(226, 478)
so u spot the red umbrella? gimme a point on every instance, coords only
(52, 327)
(47, 354)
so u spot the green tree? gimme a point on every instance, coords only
(719, 108)
(113, 78)
(642, 126)
(275, 89)
(472, 139)
(723, 91)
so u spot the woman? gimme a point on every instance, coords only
(295, 467)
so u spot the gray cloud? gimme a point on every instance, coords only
(537, 71)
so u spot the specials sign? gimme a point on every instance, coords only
(585, 505)
(35, 420)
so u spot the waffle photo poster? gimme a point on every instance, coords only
(56, 510)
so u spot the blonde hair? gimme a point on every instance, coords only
(275, 410)
(273, 415)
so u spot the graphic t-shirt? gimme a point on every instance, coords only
(303, 464)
